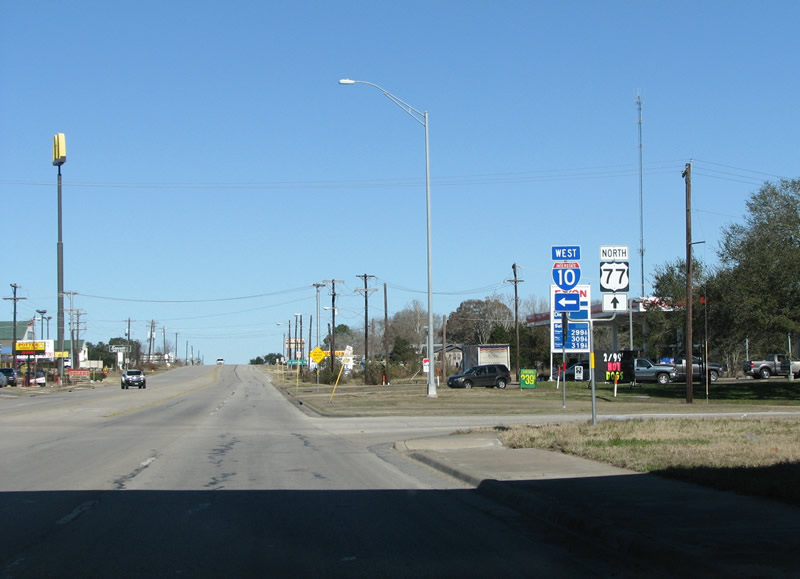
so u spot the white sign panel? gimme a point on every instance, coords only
(615, 302)
(613, 253)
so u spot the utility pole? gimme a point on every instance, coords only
(687, 175)
(317, 287)
(333, 283)
(296, 356)
(289, 343)
(366, 291)
(444, 348)
(71, 326)
(127, 363)
(76, 362)
(151, 340)
(516, 282)
(15, 299)
(386, 331)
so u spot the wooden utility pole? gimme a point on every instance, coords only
(687, 175)
(444, 348)
(15, 299)
(333, 283)
(386, 331)
(516, 283)
(366, 291)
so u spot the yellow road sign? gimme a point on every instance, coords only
(318, 355)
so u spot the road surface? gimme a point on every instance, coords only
(210, 472)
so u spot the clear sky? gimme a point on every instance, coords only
(216, 169)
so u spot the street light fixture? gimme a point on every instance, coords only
(41, 317)
(421, 118)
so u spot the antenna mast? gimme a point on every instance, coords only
(641, 208)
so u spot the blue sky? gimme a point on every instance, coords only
(216, 169)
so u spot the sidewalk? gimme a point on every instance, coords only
(668, 526)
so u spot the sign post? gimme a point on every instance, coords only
(566, 276)
(614, 277)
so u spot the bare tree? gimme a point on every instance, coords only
(474, 320)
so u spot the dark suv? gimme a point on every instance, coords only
(133, 378)
(489, 375)
(11, 375)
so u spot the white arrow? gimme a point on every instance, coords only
(564, 301)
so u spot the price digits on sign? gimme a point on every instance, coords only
(613, 366)
(579, 337)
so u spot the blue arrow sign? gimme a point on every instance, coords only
(567, 303)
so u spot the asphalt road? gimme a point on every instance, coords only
(210, 472)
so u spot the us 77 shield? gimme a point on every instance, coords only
(614, 276)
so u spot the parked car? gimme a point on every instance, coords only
(715, 370)
(645, 371)
(133, 378)
(10, 375)
(772, 365)
(489, 375)
(3, 380)
(569, 373)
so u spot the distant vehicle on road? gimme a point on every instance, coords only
(489, 375)
(220, 361)
(133, 378)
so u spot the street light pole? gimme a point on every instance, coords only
(421, 118)
(41, 317)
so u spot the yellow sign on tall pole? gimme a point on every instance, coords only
(59, 149)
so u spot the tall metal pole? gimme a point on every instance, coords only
(421, 118)
(59, 158)
(431, 381)
(641, 198)
(60, 314)
(687, 175)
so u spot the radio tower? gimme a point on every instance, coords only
(641, 208)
